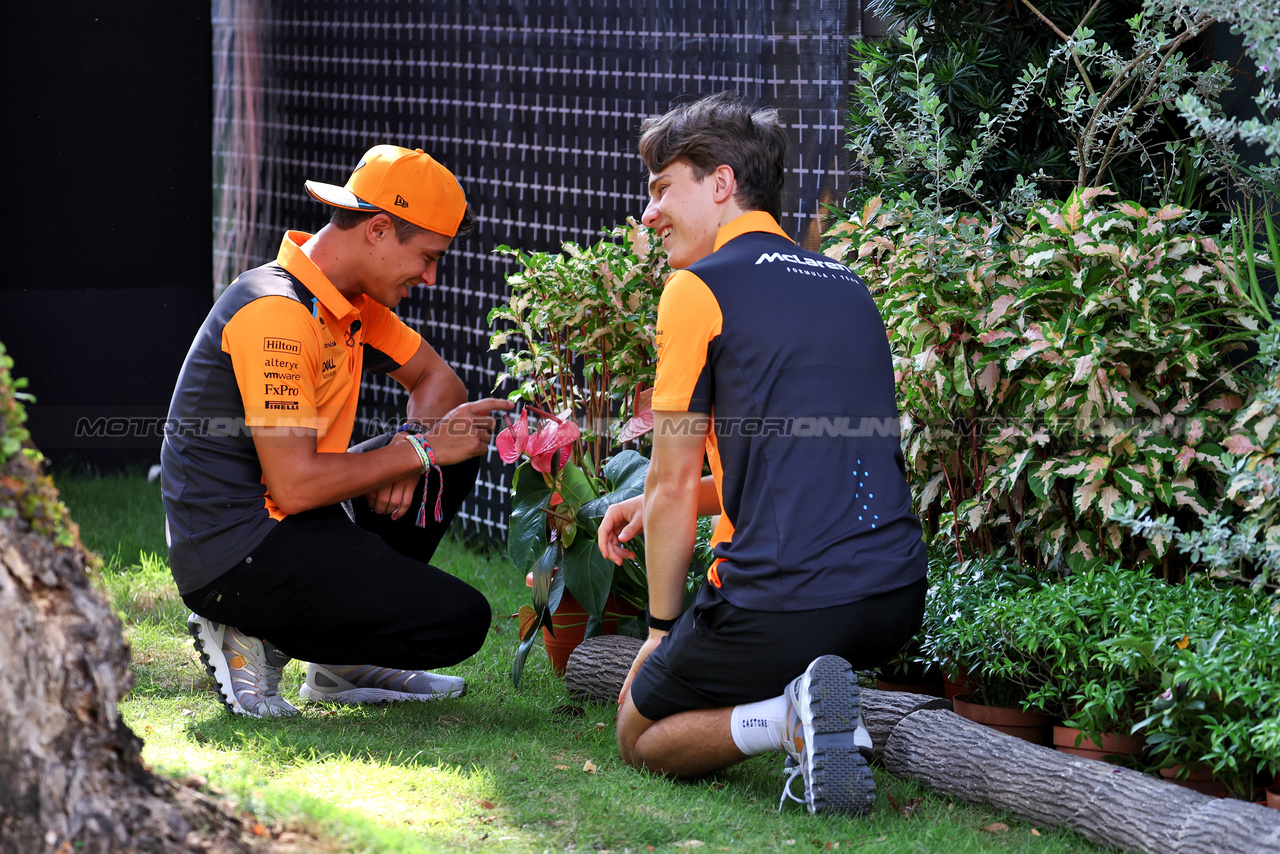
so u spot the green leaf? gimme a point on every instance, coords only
(527, 526)
(587, 575)
(575, 487)
(544, 577)
(626, 470)
(526, 643)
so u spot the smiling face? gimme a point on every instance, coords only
(683, 210)
(394, 268)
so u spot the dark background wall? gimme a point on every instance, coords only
(108, 254)
(536, 106)
(107, 217)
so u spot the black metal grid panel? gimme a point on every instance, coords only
(536, 107)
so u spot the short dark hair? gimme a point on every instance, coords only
(346, 219)
(722, 129)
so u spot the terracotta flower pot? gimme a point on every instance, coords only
(1199, 779)
(570, 624)
(1028, 726)
(952, 688)
(1273, 797)
(929, 689)
(1114, 746)
(916, 680)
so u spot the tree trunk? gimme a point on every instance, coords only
(1109, 805)
(883, 710)
(599, 666)
(71, 772)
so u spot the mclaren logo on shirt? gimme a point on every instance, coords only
(796, 260)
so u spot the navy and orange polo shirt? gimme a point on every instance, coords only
(280, 348)
(786, 350)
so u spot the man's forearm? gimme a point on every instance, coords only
(300, 478)
(432, 398)
(670, 515)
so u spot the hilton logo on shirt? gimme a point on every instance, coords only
(281, 345)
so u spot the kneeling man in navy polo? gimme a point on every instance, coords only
(774, 368)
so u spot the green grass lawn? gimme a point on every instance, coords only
(526, 770)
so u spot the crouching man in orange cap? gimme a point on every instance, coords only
(282, 543)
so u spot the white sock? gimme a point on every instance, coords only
(760, 727)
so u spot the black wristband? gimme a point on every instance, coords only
(654, 623)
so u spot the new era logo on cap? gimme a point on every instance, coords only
(400, 202)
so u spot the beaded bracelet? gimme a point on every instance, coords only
(428, 459)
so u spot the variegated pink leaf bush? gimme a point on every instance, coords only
(1049, 374)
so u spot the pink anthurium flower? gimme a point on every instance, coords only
(511, 442)
(553, 435)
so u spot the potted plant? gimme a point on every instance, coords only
(580, 351)
(962, 629)
(1218, 717)
(1066, 630)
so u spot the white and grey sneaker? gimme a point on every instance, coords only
(245, 670)
(367, 683)
(826, 742)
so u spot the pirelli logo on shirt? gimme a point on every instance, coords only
(281, 345)
(281, 404)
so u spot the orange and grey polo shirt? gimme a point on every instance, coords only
(786, 350)
(280, 348)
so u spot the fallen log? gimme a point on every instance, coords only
(599, 666)
(1106, 804)
(883, 710)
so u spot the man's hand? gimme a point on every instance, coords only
(655, 638)
(621, 523)
(465, 431)
(394, 498)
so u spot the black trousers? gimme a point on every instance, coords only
(328, 589)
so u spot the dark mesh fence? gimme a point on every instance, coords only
(536, 107)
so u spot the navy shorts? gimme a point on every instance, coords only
(719, 655)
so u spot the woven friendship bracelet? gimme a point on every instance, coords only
(429, 465)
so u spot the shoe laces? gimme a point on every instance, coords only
(274, 661)
(792, 772)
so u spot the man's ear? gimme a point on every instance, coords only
(724, 183)
(378, 227)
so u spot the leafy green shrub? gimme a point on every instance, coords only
(1042, 380)
(1221, 703)
(957, 634)
(980, 106)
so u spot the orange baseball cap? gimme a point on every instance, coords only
(400, 181)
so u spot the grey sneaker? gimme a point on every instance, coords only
(366, 683)
(827, 744)
(245, 669)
